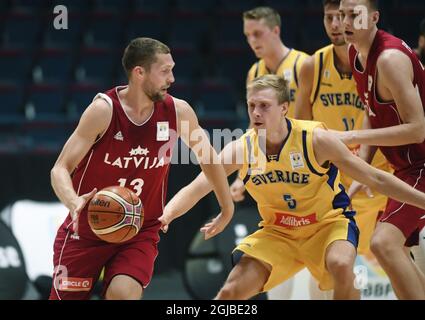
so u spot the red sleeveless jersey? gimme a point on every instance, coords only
(136, 156)
(382, 115)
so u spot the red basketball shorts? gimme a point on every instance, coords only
(79, 262)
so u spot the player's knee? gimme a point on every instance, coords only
(124, 291)
(228, 292)
(381, 246)
(340, 266)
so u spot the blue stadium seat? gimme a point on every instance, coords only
(204, 6)
(215, 98)
(152, 6)
(230, 29)
(54, 65)
(10, 103)
(14, 65)
(96, 64)
(118, 5)
(239, 5)
(21, 29)
(182, 90)
(82, 95)
(48, 101)
(233, 63)
(104, 29)
(187, 62)
(145, 25)
(188, 28)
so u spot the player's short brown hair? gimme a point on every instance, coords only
(374, 4)
(331, 2)
(142, 52)
(271, 81)
(270, 16)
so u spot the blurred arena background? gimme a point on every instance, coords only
(48, 77)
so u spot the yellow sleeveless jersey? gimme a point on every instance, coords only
(289, 68)
(336, 103)
(292, 190)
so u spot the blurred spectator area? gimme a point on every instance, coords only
(48, 76)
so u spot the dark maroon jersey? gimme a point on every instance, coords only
(136, 156)
(385, 114)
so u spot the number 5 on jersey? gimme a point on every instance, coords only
(137, 185)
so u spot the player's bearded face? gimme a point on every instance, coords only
(333, 25)
(153, 92)
(159, 78)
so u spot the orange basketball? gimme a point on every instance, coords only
(115, 214)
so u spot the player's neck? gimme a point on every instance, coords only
(275, 138)
(342, 62)
(275, 59)
(364, 47)
(136, 100)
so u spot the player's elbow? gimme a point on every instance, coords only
(419, 135)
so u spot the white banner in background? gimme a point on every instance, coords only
(34, 225)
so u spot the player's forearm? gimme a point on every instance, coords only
(394, 188)
(216, 175)
(409, 133)
(188, 197)
(366, 153)
(62, 185)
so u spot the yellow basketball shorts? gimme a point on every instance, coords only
(287, 256)
(367, 210)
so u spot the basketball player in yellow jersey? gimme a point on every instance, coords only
(262, 28)
(290, 169)
(327, 93)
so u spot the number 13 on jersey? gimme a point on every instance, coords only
(137, 185)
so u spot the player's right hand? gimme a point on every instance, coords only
(78, 205)
(237, 190)
(357, 187)
(164, 223)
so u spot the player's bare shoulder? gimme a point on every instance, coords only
(184, 110)
(97, 116)
(392, 60)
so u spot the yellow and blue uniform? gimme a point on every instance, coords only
(336, 103)
(302, 204)
(289, 68)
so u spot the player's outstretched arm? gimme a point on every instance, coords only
(396, 76)
(93, 123)
(213, 174)
(303, 108)
(327, 147)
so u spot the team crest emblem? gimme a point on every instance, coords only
(296, 160)
(162, 132)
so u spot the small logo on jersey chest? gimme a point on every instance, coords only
(296, 160)
(287, 74)
(119, 136)
(162, 131)
(327, 74)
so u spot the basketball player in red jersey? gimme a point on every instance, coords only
(125, 137)
(391, 82)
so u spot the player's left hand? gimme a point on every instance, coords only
(216, 225)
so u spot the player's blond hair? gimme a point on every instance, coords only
(271, 81)
(270, 16)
